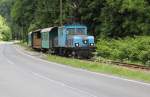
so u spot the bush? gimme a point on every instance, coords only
(5, 31)
(6, 36)
(131, 49)
(145, 57)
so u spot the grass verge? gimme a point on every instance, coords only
(103, 68)
(99, 67)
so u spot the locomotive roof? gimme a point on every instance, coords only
(75, 25)
(34, 31)
(47, 29)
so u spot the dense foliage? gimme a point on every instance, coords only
(4, 30)
(5, 9)
(113, 18)
(5, 19)
(104, 18)
(128, 49)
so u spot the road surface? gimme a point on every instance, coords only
(22, 75)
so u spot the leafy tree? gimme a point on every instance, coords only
(122, 18)
(5, 9)
(46, 14)
(4, 30)
(109, 18)
(22, 14)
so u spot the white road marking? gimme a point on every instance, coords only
(105, 75)
(62, 84)
(10, 62)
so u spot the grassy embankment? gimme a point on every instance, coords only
(101, 67)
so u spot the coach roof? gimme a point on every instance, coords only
(48, 29)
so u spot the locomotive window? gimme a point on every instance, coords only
(71, 31)
(80, 31)
(76, 31)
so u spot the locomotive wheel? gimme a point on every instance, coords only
(73, 54)
(78, 55)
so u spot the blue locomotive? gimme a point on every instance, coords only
(67, 40)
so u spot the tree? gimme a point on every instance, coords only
(5, 32)
(108, 18)
(121, 18)
(22, 14)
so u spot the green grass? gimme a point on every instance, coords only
(24, 44)
(99, 67)
(102, 68)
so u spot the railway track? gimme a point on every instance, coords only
(134, 66)
(128, 65)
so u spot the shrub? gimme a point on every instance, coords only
(131, 49)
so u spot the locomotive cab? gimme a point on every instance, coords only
(77, 37)
(74, 39)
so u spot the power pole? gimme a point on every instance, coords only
(61, 13)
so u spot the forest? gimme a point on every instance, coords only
(121, 27)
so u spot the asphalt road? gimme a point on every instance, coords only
(22, 75)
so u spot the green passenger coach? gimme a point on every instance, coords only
(45, 38)
(48, 35)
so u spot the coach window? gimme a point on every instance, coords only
(38, 35)
(46, 36)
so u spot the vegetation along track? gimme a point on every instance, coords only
(134, 66)
(128, 65)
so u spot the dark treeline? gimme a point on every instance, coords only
(104, 18)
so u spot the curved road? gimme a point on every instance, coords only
(22, 75)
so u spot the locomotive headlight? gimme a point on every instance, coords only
(85, 41)
(91, 44)
(77, 44)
